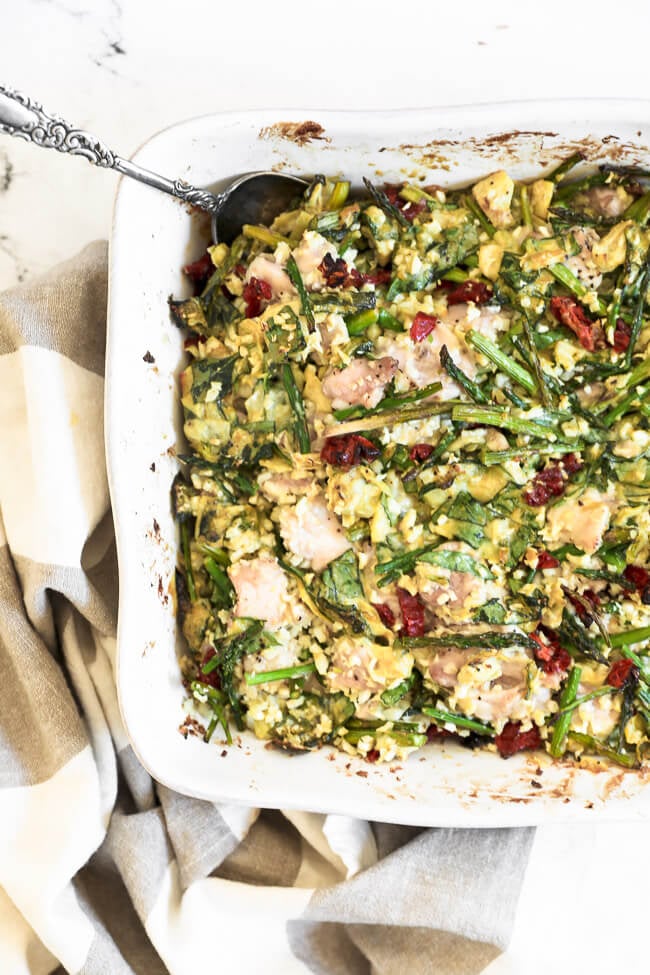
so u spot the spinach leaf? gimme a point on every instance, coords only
(340, 582)
(456, 562)
(491, 612)
(206, 372)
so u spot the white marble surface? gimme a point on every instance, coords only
(125, 68)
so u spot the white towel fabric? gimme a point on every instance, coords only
(102, 870)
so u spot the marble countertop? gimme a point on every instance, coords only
(123, 71)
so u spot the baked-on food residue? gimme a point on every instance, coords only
(299, 132)
(416, 500)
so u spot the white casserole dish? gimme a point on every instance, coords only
(153, 236)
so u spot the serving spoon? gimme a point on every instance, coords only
(252, 198)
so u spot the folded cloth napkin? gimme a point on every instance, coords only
(102, 870)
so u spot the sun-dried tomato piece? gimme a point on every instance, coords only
(420, 452)
(191, 344)
(212, 678)
(334, 270)
(568, 312)
(549, 483)
(475, 291)
(382, 275)
(571, 463)
(413, 210)
(386, 615)
(621, 672)
(581, 610)
(255, 293)
(547, 561)
(348, 450)
(199, 271)
(412, 610)
(434, 732)
(372, 755)
(409, 209)
(391, 192)
(422, 326)
(512, 739)
(622, 336)
(549, 653)
(638, 576)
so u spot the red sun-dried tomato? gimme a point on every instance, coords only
(412, 610)
(571, 463)
(382, 275)
(255, 293)
(568, 312)
(512, 739)
(549, 483)
(409, 209)
(546, 561)
(580, 608)
(420, 452)
(434, 732)
(334, 270)
(413, 210)
(391, 192)
(199, 271)
(475, 291)
(422, 326)
(549, 653)
(212, 678)
(348, 450)
(191, 344)
(638, 576)
(386, 615)
(621, 672)
(622, 336)
(372, 755)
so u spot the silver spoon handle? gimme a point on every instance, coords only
(26, 119)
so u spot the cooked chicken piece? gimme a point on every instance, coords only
(580, 521)
(420, 361)
(582, 264)
(265, 268)
(608, 201)
(360, 665)
(261, 588)
(362, 383)
(279, 487)
(309, 254)
(312, 533)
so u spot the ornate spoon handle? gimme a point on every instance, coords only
(26, 119)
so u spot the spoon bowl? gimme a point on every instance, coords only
(255, 198)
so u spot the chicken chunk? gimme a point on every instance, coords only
(608, 201)
(357, 664)
(261, 587)
(420, 361)
(362, 383)
(279, 487)
(580, 521)
(265, 268)
(312, 533)
(583, 264)
(309, 254)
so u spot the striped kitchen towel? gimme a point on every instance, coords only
(102, 870)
